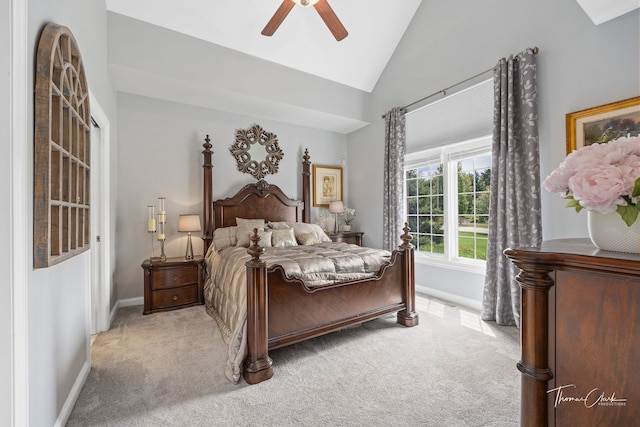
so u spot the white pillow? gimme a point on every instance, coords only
(304, 228)
(265, 238)
(223, 237)
(244, 227)
(283, 238)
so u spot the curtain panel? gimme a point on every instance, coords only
(393, 203)
(514, 213)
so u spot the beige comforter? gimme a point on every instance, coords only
(319, 264)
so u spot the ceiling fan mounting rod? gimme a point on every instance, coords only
(305, 3)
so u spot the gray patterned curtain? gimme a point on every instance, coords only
(514, 214)
(393, 209)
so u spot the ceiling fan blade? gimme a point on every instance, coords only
(331, 20)
(278, 17)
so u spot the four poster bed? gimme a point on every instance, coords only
(272, 304)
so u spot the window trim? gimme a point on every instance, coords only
(449, 155)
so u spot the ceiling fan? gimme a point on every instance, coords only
(322, 7)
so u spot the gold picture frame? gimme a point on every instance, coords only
(603, 123)
(327, 184)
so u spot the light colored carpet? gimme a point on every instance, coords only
(167, 369)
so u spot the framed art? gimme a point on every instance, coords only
(327, 184)
(603, 123)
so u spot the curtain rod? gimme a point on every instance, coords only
(444, 91)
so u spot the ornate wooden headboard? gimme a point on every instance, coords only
(259, 200)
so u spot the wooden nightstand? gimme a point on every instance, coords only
(354, 237)
(174, 283)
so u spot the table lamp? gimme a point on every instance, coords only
(189, 223)
(336, 207)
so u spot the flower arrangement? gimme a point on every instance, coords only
(601, 177)
(349, 214)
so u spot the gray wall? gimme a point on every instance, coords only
(160, 145)
(580, 65)
(58, 337)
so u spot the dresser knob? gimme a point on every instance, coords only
(175, 277)
(175, 297)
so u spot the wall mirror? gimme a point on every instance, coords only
(256, 152)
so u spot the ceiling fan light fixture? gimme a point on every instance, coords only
(305, 3)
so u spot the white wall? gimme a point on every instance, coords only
(160, 145)
(58, 339)
(580, 65)
(6, 294)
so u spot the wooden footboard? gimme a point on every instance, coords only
(282, 310)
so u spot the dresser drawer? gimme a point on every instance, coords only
(174, 297)
(173, 277)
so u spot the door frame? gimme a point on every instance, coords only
(100, 283)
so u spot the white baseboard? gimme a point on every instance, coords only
(65, 413)
(453, 298)
(125, 303)
(130, 301)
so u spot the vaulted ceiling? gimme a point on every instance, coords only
(211, 53)
(303, 42)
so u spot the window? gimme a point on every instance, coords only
(447, 201)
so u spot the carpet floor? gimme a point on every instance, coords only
(167, 369)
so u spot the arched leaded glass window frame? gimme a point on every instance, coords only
(62, 142)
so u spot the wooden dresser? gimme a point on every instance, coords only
(171, 284)
(580, 335)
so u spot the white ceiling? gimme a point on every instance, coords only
(302, 42)
(604, 10)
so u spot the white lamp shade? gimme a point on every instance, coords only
(336, 206)
(189, 223)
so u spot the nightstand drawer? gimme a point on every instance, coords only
(174, 297)
(353, 237)
(173, 277)
(171, 284)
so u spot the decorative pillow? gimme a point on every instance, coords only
(307, 238)
(265, 238)
(304, 228)
(244, 227)
(283, 237)
(223, 237)
(278, 225)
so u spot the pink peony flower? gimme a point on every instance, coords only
(599, 177)
(600, 188)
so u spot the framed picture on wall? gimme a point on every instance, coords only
(327, 184)
(603, 123)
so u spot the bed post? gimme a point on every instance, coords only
(257, 364)
(306, 186)
(207, 200)
(408, 317)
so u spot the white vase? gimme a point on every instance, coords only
(610, 233)
(346, 228)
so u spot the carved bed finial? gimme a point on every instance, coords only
(255, 250)
(406, 237)
(207, 143)
(306, 158)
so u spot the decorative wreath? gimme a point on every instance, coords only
(242, 148)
